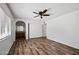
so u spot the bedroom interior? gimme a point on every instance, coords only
(39, 29)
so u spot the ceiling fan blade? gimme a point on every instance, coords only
(35, 12)
(46, 15)
(45, 11)
(36, 16)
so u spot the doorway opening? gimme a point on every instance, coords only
(20, 30)
(44, 30)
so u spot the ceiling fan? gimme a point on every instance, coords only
(42, 13)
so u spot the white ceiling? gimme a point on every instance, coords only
(25, 10)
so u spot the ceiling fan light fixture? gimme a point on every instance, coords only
(42, 13)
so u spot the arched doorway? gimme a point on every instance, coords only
(20, 30)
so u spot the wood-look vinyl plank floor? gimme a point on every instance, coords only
(41, 46)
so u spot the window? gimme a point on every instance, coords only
(5, 25)
(20, 28)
